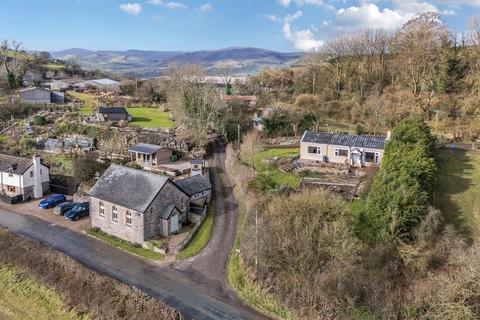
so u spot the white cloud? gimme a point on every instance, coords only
(367, 15)
(299, 3)
(204, 8)
(284, 3)
(459, 2)
(370, 16)
(303, 40)
(169, 4)
(272, 17)
(132, 8)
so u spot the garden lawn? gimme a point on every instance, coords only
(149, 118)
(3, 139)
(457, 192)
(290, 179)
(201, 237)
(125, 245)
(89, 101)
(23, 297)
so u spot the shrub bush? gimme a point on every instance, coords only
(403, 188)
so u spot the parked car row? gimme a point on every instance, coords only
(72, 211)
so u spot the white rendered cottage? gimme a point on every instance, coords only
(23, 178)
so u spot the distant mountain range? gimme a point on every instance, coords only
(142, 63)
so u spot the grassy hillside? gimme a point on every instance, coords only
(458, 190)
(22, 297)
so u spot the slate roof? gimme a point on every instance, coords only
(194, 185)
(145, 148)
(197, 161)
(18, 164)
(104, 82)
(112, 110)
(127, 187)
(33, 88)
(342, 139)
(166, 210)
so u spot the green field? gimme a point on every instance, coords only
(457, 193)
(22, 297)
(278, 177)
(149, 118)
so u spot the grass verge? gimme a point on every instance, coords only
(242, 283)
(124, 245)
(201, 237)
(149, 118)
(23, 297)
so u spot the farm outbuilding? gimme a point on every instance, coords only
(41, 96)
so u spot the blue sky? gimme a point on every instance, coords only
(284, 25)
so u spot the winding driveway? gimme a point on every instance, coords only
(196, 287)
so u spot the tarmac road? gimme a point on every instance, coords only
(197, 287)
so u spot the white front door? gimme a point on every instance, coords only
(174, 223)
(356, 157)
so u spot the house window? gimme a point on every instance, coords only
(315, 150)
(10, 174)
(370, 157)
(41, 172)
(128, 218)
(10, 188)
(341, 153)
(101, 209)
(31, 174)
(377, 157)
(114, 213)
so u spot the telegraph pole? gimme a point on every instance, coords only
(238, 135)
(256, 240)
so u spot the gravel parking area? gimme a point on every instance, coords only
(31, 208)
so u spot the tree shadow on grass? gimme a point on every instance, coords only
(141, 119)
(451, 191)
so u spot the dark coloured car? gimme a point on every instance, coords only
(52, 201)
(79, 211)
(64, 207)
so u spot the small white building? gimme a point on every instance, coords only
(23, 178)
(197, 167)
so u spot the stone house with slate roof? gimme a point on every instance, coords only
(321, 147)
(136, 205)
(23, 178)
(199, 189)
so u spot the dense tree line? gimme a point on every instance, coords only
(376, 78)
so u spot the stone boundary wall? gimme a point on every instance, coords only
(182, 244)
